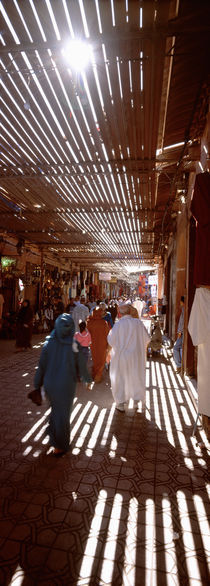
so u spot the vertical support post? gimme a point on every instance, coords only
(41, 277)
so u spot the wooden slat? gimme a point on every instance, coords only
(94, 220)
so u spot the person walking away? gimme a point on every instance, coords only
(128, 340)
(57, 373)
(80, 312)
(112, 308)
(106, 314)
(91, 303)
(70, 306)
(134, 312)
(24, 327)
(177, 349)
(138, 304)
(84, 339)
(98, 329)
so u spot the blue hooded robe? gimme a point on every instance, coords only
(57, 373)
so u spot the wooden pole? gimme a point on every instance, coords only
(41, 278)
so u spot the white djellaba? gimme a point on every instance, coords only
(128, 339)
(199, 329)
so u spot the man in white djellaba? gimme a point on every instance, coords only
(128, 340)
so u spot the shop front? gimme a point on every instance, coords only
(8, 283)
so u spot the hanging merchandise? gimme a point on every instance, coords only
(66, 293)
(95, 278)
(87, 281)
(82, 280)
(78, 283)
(153, 291)
(143, 285)
(86, 278)
(74, 286)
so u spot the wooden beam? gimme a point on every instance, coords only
(80, 233)
(91, 211)
(173, 28)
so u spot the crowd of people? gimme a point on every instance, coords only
(83, 339)
(112, 333)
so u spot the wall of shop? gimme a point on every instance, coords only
(181, 264)
(178, 260)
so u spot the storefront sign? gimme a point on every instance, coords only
(105, 276)
(152, 279)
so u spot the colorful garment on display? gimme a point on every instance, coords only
(199, 329)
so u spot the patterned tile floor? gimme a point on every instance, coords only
(127, 507)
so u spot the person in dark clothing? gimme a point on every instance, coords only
(70, 306)
(106, 314)
(112, 308)
(59, 308)
(24, 326)
(57, 373)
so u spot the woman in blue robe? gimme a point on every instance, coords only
(57, 373)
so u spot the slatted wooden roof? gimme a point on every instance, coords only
(85, 168)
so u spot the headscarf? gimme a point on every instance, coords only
(124, 308)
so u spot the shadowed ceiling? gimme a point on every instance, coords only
(91, 159)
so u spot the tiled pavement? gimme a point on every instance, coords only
(127, 507)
